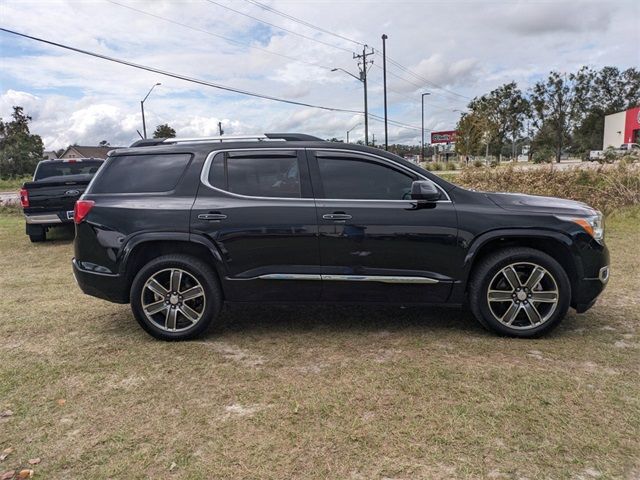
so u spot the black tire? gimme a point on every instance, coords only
(200, 271)
(39, 236)
(488, 271)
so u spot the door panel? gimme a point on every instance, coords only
(413, 250)
(262, 239)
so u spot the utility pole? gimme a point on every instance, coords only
(384, 81)
(220, 130)
(374, 140)
(352, 128)
(363, 64)
(422, 145)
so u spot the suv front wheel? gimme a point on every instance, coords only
(520, 292)
(175, 297)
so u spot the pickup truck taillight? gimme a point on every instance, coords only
(24, 197)
(82, 209)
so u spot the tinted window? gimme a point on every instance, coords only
(141, 173)
(358, 179)
(269, 175)
(64, 169)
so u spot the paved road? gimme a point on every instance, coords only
(9, 197)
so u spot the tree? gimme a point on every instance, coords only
(20, 151)
(471, 131)
(501, 113)
(104, 143)
(554, 103)
(164, 131)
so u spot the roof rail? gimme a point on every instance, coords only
(287, 137)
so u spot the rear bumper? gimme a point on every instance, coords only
(109, 287)
(51, 218)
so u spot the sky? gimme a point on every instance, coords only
(454, 50)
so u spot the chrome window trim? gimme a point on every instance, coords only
(204, 175)
(347, 278)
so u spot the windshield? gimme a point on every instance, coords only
(63, 169)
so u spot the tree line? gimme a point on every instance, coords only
(562, 113)
(21, 150)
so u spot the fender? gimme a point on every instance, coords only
(186, 237)
(480, 241)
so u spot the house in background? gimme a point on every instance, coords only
(79, 151)
(49, 155)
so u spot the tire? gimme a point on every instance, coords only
(39, 236)
(528, 309)
(174, 317)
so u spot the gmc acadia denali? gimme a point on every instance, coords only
(177, 227)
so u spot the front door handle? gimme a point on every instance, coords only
(212, 216)
(336, 216)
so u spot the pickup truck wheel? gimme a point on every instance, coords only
(519, 292)
(176, 297)
(38, 236)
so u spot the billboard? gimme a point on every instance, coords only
(447, 136)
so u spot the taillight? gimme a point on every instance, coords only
(82, 209)
(24, 197)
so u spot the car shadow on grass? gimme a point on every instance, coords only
(273, 319)
(60, 235)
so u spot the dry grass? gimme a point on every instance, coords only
(606, 187)
(323, 392)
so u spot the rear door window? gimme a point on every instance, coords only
(257, 174)
(141, 173)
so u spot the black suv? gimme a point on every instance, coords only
(177, 227)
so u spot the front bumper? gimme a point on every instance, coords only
(111, 287)
(588, 290)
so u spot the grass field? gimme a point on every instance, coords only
(322, 392)
(11, 184)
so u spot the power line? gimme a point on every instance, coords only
(389, 59)
(302, 22)
(231, 40)
(179, 76)
(279, 27)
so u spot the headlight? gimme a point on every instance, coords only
(593, 225)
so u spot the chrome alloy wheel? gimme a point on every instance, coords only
(523, 295)
(173, 299)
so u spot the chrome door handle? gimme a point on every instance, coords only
(212, 216)
(336, 216)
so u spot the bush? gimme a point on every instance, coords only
(608, 156)
(477, 163)
(543, 155)
(606, 187)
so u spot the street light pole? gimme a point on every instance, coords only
(384, 81)
(351, 129)
(144, 124)
(422, 145)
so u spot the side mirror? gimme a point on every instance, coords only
(424, 190)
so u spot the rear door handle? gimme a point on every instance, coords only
(336, 216)
(212, 216)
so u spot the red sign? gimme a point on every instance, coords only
(447, 136)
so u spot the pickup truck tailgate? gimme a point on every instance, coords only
(51, 196)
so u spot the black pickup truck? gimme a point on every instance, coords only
(49, 199)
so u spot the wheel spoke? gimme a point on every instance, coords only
(512, 277)
(176, 280)
(156, 288)
(544, 297)
(170, 319)
(155, 307)
(532, 313)
(193, 292)
(190, 313)
(536, 275)
(511, 313)
(500, 296)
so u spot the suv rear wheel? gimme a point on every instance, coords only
(520, 292)
(176, 297)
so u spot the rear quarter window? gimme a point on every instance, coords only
(141, 173)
